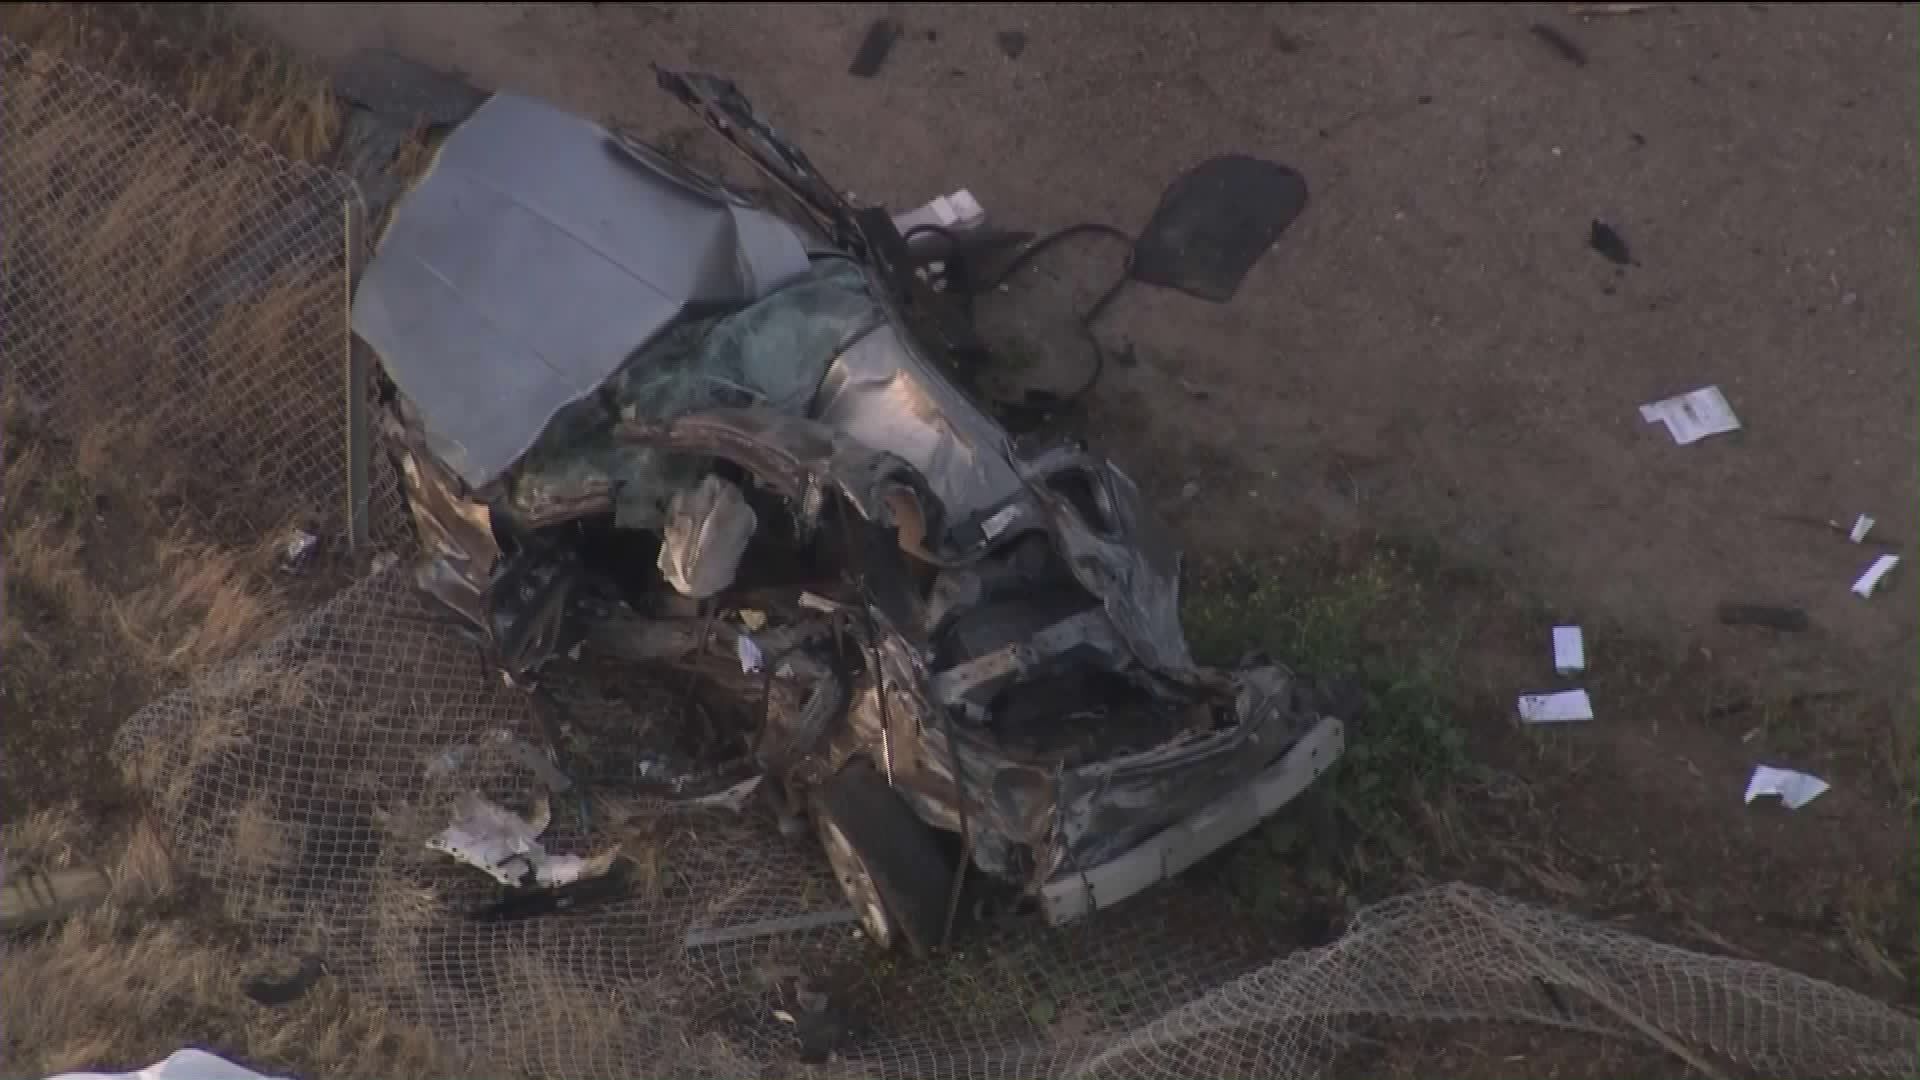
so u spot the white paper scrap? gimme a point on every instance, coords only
(1693, 416)
(1569, 650)
(1860, 529)
(1875, 574)
(751, 661)
(1795, 789)
(1565, 707)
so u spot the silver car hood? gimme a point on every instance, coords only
(585, 251)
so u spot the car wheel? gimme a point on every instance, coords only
(888, 862)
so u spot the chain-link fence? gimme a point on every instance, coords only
(165, 274)
(176, 292)
(304, 783)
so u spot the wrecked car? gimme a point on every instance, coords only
(640, 414)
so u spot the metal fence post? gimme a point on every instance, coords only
(359, 433)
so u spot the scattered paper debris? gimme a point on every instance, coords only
(1861, 528)
(1875, 574)
(1569, 650)
(1565, 707)
(751, 659)
(1795, 789)
(1693, 416)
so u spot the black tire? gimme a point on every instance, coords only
(888, 862)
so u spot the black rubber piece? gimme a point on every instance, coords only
(874, 48)
(1772, 616)
(406, 90)
(903, 854)
(1215, 222)
(1607, 240)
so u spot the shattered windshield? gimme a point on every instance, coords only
(773, 353)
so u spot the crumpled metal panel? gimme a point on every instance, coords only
(531, 262)
(1106, 808)
(880, 392)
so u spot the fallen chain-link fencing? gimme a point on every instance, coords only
(304, 782)
(300, 783)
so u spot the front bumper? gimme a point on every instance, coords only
(1168, 853)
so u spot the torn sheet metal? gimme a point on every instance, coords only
(1794, 789)
(1569, 650)
(506, 847)
(1565, 707)
(1693, 416)
(1875, 574)
(588, 255)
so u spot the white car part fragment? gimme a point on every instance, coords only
(506, 847)
(707, 533)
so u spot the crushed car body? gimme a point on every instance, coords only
(640, 415)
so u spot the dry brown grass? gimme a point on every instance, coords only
(106, 608)
(125, 984)
(176, 293)
(157, 448)
(197, 55)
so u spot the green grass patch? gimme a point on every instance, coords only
(1357, 622)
